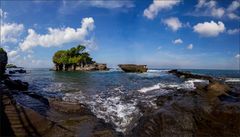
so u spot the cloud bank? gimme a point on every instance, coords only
(58, 36)
(10, 32)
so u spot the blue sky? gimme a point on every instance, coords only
(161, 34)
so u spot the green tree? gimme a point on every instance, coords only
(74, 56)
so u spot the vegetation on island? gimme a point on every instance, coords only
(76, 56)
(11, 66)
(2, 50)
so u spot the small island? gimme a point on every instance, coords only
(133, 68)
(76, 58)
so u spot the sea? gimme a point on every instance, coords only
(113, 95)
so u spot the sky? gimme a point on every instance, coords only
(196, 34)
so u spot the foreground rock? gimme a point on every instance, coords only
(21, 121)
(200, 113)
(3, 61)
(68, 107)
(133, 68)
(79, 119)
(16, 84)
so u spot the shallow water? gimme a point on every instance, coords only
(112, 95)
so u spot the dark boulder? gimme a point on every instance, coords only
(68, 107)
(198, 113)
(16, 84)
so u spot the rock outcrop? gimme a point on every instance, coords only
(133, 68)
(205, 112)
(16, 84)
(3, 61)
(182, 74)
(68, 107)
(87, 67)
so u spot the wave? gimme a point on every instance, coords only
(113, 109)
(188, 85)
(237, 80)
(157, 71)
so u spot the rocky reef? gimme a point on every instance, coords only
(212, 110)
(133, 68)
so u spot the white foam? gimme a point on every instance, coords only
(112, 109)
(156, 71)
(147, 89)
(232, 80)
(189, 85)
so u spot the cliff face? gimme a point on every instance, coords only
(88, 67)
(3, 61)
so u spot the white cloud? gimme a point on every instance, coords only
(58, 36)
(217, 12)
(178, 41)
(70, 6)
(111, 4)
(233, 6)
(233, 31)
(208, 8)
(152, 11)
(237, 56)
(12, 53)
(10, 32)
(3, 14)
(190, 46)
(211, 8)
(209, 29)
(233, 16)
(173, 23)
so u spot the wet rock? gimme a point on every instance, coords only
(68, 107)
(187, 75)
(192, 114)
(16, 84)
(22, 121)
(133, 68)
(216, 89)
(3, 61)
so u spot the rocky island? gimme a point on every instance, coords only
(76, 58)
(133, 68)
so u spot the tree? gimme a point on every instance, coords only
(74, 56)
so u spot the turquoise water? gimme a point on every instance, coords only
(112, 95)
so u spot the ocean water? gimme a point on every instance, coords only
(112, 95)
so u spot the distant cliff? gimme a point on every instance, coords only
(75, 58)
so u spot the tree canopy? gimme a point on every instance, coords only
(74, 56)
